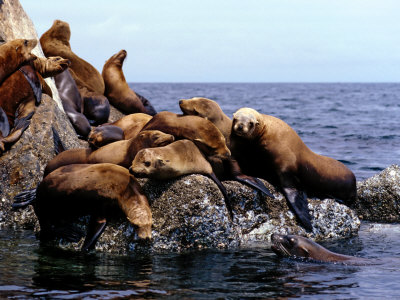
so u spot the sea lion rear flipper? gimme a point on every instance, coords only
(94, 229)
(297, 201)
(254, 183)
(4, 124)
(23, 199)
(58, 145)
(224, 193)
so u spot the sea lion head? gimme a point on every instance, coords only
(118, 58)
(24, 47)
(60, 30)
(51, 66)
(154, 138)
(245, 122)
(198, 106)
(291, 246)
(105, 134)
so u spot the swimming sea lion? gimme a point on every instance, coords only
(117, 89)
(120, 153)
(269, 148)
(210, 110)
(13, 54)
(101, 191)
(176, 159)
(300, 247)
(72, 103)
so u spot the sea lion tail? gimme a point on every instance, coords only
(58, 145)
(23, 199)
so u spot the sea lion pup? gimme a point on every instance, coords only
(176, 159)
(20, 93)
(117, 89)
(101, 191)
(130, 125)
(210, 110)
(269, 148)
(295, 246)
(14, 54)
(72, 103)
(120, 153)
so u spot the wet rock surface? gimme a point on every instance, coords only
(379, 196)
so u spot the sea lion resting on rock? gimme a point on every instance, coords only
(176, 159)
(125, 128)
(269, 148)
(120, 153)
(118, 91)
(101, 191)
(295, 246)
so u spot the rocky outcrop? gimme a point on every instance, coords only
(379, 196)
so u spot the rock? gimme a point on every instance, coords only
(190, 213)
(22, 166)
(15, 24)
(379, 196)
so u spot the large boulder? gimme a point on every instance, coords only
(379, 196)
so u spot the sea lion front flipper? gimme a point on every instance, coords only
(4, 124)
(254, 183)
(94, 229)
(23, 199)
(58, 144)
(225, 194)
(297, 201)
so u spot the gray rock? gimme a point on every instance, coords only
(379, 196)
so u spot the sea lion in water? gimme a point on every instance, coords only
(101, 191)
(295, 246)
(210, 110)
(118, 91)
(120, 153)
(268, 148)
(176, 159)
(14, 54)
(125, 128)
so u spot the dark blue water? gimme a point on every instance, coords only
(355, 123)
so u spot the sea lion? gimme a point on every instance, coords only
(14, 54)
(50, 66)
(101, 191)
(176, 159)
(120, 153)
(295, 246)
(96, 107)
(269, 148)
(72, 103)
(210, 110)
(55, 42)
(20, 93)
(108, 133)
(117, 89)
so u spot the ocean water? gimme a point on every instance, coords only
(355, 123)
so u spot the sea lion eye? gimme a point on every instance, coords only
(147, 163)
(292, 241)
(26, 43)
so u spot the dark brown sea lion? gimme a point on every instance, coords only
(210, 110)
(176, 159)
(268, 148)
(295, 246)
(125, 128)
(20, 93)
(14, 54)
(120, 153)
(101, 191)
(117, 89)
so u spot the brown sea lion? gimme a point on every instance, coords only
(117, 89)
(14, 54)
(210, 110)
(107, 133)
(176, 159)
(120, 153)
(20, 93)
(72, 103)
(101, 191)
(55, 42)
(295, 246)
(268, 148)
(51, 66)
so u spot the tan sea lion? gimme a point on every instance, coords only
(268, 148)
(295, 246)
(117, 89)
(176, 159)
(120, 153)
(210, 110)
(101, 191)
(14, 54)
